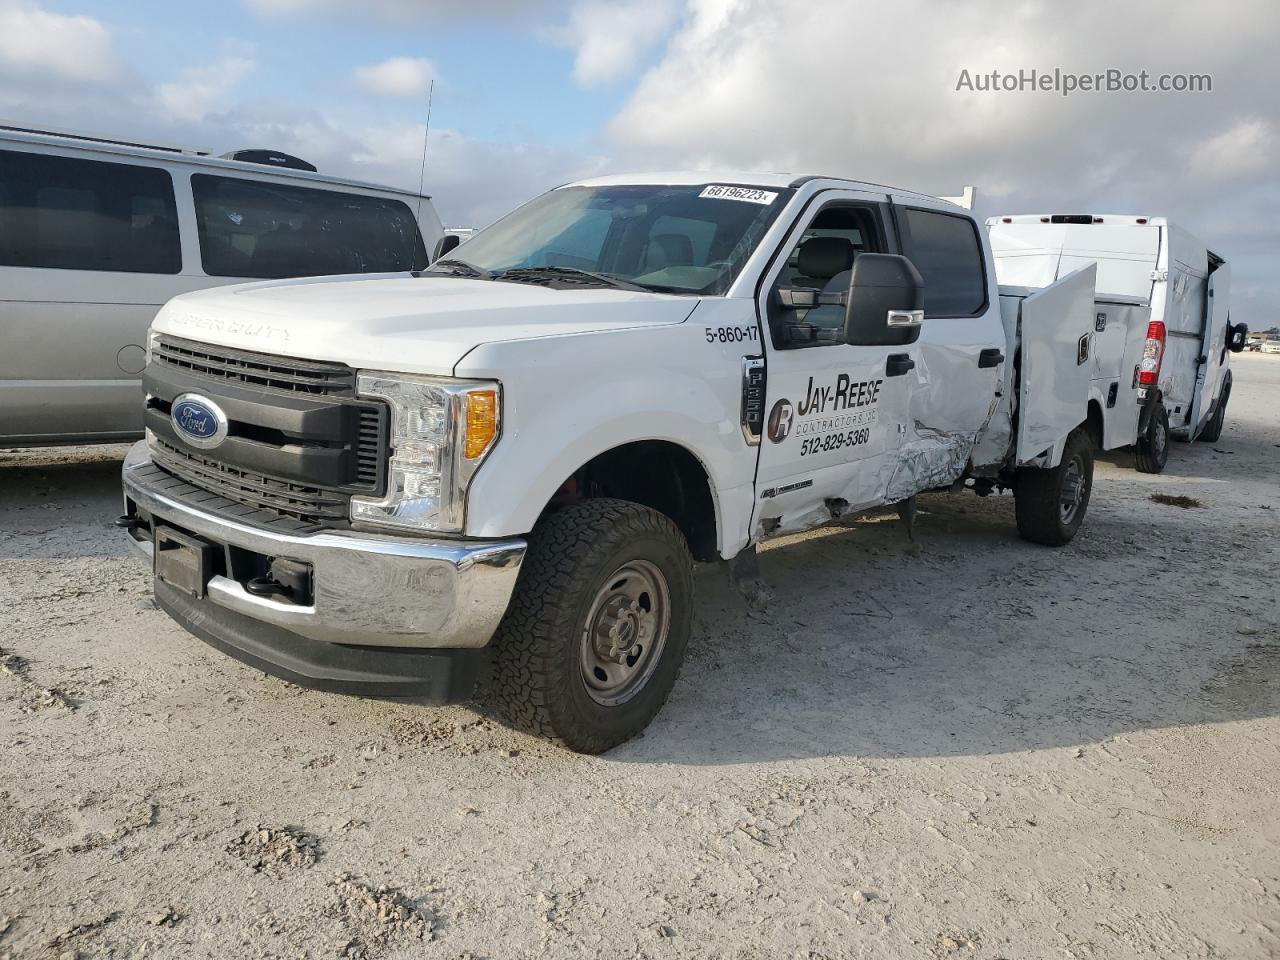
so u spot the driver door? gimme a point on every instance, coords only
(834, 412)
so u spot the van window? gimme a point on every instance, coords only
(252, 228)
(66, 213)
(946, 251)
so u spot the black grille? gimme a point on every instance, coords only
(256, 369)
(300, 459)
(310, 505)
(369, 447)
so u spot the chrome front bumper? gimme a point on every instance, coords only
(369, 590)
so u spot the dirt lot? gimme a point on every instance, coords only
(979, 750)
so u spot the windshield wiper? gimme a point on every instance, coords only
(459, 268)
(567, 275)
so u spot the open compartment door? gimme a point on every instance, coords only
(1057, 343)
(1212, 348)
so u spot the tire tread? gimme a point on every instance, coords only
(565, 548)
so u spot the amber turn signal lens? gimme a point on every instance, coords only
(482, 422)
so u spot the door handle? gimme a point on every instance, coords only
(897, 364)
(991, 357)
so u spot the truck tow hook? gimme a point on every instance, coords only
(267, 587)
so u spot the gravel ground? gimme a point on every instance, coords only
(976, 749)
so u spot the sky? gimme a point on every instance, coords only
(529, 94)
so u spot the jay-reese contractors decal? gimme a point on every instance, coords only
(831, 416)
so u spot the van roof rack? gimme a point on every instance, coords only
(102, 138)
(270, 158)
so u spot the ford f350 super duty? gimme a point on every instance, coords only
(511, 460)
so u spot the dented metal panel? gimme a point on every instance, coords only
(1210, 372)
(1056, 327)
(1118, 348)
(952, 401)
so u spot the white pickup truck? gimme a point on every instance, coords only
(507, 463)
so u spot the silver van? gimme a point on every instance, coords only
(96, 234)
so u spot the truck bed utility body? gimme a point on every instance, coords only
(370, 483)
(1163, 298)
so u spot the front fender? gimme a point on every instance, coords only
(568, 399)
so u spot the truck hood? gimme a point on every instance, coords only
(401, 322)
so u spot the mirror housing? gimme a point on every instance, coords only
(885, 306)
(444, 245)
(1237, 337)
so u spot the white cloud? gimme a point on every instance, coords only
(608, 36)
(397, 77)
(859, 89)
(202, 90)
(35, 42)
(869, 91)
(1246, 147)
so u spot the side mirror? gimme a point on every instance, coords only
(886, 301)
(1237, 337)
(444, 245)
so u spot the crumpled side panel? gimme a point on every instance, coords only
(934, 447)
(929, 458)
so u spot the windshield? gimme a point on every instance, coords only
(685, 239)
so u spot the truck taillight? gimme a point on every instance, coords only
(1152, 355)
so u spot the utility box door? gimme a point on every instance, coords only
(1057, 362)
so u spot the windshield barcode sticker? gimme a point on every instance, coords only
(746, 194)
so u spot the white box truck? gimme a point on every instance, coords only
(1162, 325)
(377, 484)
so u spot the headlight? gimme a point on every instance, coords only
(441, 430)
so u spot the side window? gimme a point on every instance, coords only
(946, 250)
(66, 213)
(820, 264)
(269, 231)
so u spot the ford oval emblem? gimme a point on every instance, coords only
(199, 421)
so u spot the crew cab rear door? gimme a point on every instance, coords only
(962, 347)
(1213, 348)
(834, 412)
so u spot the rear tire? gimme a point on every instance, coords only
(1051, 503)
(1212, 431)
(1151, 452)
(592, 641)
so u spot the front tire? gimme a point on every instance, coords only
(1151, 452)
(1051, 503)
(596, 630)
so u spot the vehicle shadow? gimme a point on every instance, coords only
(969, 641)
(60, 502)
(973, 643)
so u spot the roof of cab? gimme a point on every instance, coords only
(187, 155)
(683, 178)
